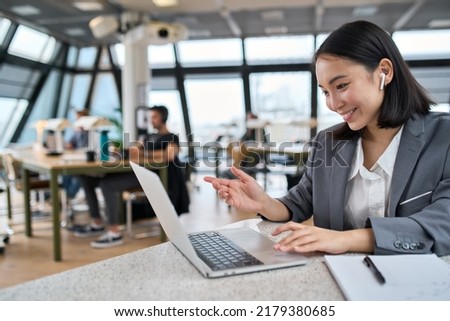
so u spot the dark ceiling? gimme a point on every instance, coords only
(229, 18)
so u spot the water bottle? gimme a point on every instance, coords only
(104, 146)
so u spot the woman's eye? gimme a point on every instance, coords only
(341, 86)
(324, 93)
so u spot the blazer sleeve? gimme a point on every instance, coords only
(298, 200)
(421, 225)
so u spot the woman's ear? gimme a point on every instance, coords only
(386, 71)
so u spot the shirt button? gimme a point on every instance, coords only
(405, 246)
(397, 244)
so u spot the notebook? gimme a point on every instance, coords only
(258, 255)
(406, 277)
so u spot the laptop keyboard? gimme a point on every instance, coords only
(220, 253)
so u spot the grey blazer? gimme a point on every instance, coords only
(418, 215)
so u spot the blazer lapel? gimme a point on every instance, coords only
(407, 155)
(338, 184)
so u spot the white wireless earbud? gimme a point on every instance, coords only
(383, 79)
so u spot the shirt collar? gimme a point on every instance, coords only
(386, 160)
(357, 161)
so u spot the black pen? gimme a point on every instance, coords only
(375, 271)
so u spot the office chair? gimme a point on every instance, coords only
(40, 186)
(130, 196)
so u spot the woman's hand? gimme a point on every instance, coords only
(305, 238)
(243, 193)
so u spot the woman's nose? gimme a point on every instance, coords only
(334, 102)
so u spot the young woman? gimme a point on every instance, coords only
(380, 181)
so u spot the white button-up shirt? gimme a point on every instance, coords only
(368, 190)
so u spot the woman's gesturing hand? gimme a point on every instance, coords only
(243, 193)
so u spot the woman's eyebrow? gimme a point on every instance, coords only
(334, 79)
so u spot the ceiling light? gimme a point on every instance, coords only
(75, 32)
(272, 15)
(276, 30)
(364, 11)
(88, 5)
(439, 23)
(187, 20)
(165, 3)
(25, 10)
(199, 33)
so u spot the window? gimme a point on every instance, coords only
(216, 106)
(86, 58)
(437, 82)
(105, 62)
(4, 26)
(79, 92)
(105, 102)
(218, 52)
(286, 49)
(282, 98)
(426, 44)
(12, 113)
(159, 56)
(32, 44)
(44, 107)
(72, 56)
(17, 81)
(63, 105)
(320, 39)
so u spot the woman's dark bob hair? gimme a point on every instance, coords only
(365, 43)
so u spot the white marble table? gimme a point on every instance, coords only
(162, 273)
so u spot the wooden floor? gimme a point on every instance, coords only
(26, 258)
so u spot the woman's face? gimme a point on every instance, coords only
(350, 90)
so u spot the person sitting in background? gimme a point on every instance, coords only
(379, 182)
(162, 146)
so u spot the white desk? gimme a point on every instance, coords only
(162, 273)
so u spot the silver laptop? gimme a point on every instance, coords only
(245, 250)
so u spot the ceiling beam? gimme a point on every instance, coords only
(319, 12)
(415, 7)
(232, 24)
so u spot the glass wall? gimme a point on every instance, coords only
(12, 111)
(216, 107)
(32, 44)
(159, 56)
(425, 44)
(219, 76)
(44, 108)
(216, 52)
(283, 99)
(4, 26)
(105, 103)
(286, 49)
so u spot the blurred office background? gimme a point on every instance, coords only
(239, 56)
